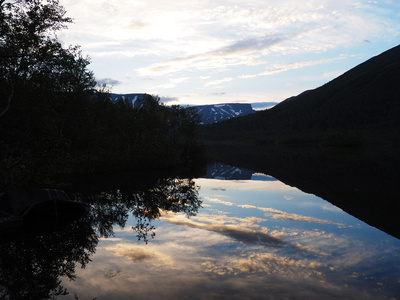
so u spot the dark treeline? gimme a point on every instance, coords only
(52, 121)
(362, 106)
(88, 132)
(108, 135)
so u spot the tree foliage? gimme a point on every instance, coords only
(52, 120)
(117, 135)
(31, 57)
(35, 74)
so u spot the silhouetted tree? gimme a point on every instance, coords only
(36, 72)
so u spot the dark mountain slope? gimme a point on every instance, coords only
(362, 104)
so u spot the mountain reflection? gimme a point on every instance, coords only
(32, 268)
(219, 170)
(361, 181)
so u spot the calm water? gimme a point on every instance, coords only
(232, 234)
(241, 236)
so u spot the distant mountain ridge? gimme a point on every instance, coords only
(209, 114)
(214, 113)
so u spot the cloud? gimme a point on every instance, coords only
(219, 81)
(246, 231)
(112, 274)
(237, 40)
(265, 263)
(234, 231)
(330, 207)
(164, 86)
(108, 81)
(278, 68)
(179, 80)
(139, 254)
(277, 214)
(296, 217)
(253, 185)
(248, 45)
(242, 46)
(137, 24)
(239, 52)
(133, 253)
(219, 201)
(248, 206)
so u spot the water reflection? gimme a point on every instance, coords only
(248, 236)
(219, 170)
(362, 181)
(251, 239)
(111, 208)
(31, 267)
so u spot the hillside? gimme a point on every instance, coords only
(360, 106)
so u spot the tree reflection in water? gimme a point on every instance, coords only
(113, 207)
(32, 268)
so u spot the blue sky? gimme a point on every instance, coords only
(205, 52)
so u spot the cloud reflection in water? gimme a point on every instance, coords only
(238, 247)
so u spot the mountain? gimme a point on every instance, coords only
(219, 112)
(360, 106)
(293, 97)
(209, 113)
(132, 98)
(227, 172)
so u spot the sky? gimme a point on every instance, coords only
(220, 51)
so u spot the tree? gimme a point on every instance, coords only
(184, 125)
(37, 79)
(31, 56)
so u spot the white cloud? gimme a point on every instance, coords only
(223, 40)
(278, 68)
(219, 201)
(218, 81)
(265, 263)
(253, 185)
(235, 230)
(243, 51)
(277, 214)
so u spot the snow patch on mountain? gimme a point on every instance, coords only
(214, 113)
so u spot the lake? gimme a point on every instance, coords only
(244, 235)
(230, 233)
